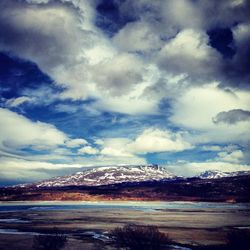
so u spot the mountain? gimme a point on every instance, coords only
(136, 183)
(216, 174)
(108, 175)
(231, 189)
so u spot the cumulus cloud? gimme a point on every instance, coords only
(53, 35)
(130, 104)
(119, 74)
(195, 168)
(34, 135)
(75, 54)
(178, 17)
(138, 36)
(187, 13)
(196, 109)
(74, 143)
(23, 170)
(134, 102)
(33, 32)
(88, 150)
(151, 140)
(156, 140)
(116, 147)
(161, 63)
(87, 64)
(17, 131)
(25, 164)
(233, 157)
(189, 53)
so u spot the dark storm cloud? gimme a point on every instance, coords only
(236, 71)
(233, 116)
(222, 40)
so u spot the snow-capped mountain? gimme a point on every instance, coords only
(109, 175)
(216, 174)
(120, 174)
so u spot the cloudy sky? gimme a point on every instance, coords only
(100, 82)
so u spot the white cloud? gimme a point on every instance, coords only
(77, 55)
(196, 108)
(234, 157)
(235, 3)
(182, 13)
(195, 168)
(74, 143)
(115, 152)
(98, 141)
(149, 141)
(211, 148)
(129, 104)
(88, 150)
(156, 140)
(229, 148)
(119, 74)
(54, 36)
(25, 170)
(15, 164)
(15, 102)
(16, 131)
(134, 102)
(137, 36)
(241, 33)
(116, 147)
(189, 53)
(102, 160)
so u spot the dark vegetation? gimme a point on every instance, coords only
(134, 237)
(55, 240)
(239, 239)
(194, 189)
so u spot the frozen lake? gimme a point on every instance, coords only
(185, 222)
(131, 205)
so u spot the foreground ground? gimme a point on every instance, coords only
(87, 228)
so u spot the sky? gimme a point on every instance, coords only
(101, 82)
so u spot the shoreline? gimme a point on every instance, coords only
(129, 200)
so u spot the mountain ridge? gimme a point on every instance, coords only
(108, 175)
(216, 174)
